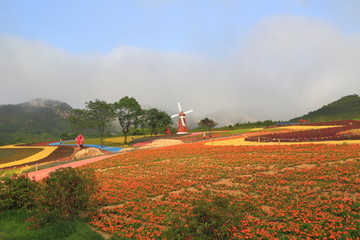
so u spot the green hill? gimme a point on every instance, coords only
(37, 120)
(345, 108)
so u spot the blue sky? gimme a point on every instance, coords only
(84, 26)
(232, 49)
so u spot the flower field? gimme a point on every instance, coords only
(297, 191)
(315, 132)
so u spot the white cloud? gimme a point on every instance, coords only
(297, 64)
(287, 67)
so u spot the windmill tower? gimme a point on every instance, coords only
(182, 127)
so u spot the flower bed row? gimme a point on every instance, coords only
(324, 134)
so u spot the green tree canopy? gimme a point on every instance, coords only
(79, 118)
(157, 120)
(207, 123)
(128, 112)
(99, 114)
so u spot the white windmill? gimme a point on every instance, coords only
(182, 127)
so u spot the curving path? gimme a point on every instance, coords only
(40, 174)
(101, 147)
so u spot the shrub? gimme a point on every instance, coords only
(66, 194)
(212, 217)
(18, 192)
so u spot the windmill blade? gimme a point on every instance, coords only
(190, 111)
(175, 115)
(179, 107)
(182, 121)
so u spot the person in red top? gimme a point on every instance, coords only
(167, 130)
(79, 141)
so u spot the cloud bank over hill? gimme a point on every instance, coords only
(285, 67)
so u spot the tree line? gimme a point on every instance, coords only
(127, 111)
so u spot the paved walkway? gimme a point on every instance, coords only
(40, 174)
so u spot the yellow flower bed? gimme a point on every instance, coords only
(47, 150)
(298, 127)
(241, 142)
(310, 127)
(121, 139)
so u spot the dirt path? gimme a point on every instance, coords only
(40, 174)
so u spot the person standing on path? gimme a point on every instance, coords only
(79, 141)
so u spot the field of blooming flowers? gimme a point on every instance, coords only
(286, 191)
(337, 131)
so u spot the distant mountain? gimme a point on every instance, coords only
(226, 117)
(59, 108)
(347, 107)
(37, 120)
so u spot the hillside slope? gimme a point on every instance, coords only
(37, 120)
(347, 107)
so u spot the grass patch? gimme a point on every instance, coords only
(236, 132)
(49, 165)
(9, 172)
(14, 227)
(17, 171)
(14, 154)
(111, 142)
(4, 153)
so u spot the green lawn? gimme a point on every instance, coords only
(14, 154)
(236, 131)
(14, 227)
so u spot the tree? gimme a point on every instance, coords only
(157, 120)
(128, 112)
(99, 114)
(79, 119)
(207, 123)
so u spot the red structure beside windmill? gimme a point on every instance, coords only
(182, 127)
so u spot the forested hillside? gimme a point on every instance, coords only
(347, 107)
(38, 120)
